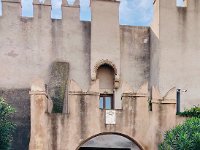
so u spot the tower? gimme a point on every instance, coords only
(175, 48)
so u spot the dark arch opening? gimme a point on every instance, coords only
(110, 141)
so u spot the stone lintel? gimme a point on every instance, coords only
(161, 101)
(134, 95)
(84, 93)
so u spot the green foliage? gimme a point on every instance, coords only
(6, 126)
(183, 137)
(193, 112)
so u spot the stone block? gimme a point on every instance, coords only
(57, 86)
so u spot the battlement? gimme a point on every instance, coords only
(15, 7)
(45, 2)
(12, 1)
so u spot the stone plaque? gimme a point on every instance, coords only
(110, 117)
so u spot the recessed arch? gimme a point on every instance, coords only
(106, 76)
(103, 62)
(110, 133)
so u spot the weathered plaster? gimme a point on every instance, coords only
(85, 120)
(175, 56)
(58, 86)
(167, 55)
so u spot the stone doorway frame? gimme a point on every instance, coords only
(109, 133)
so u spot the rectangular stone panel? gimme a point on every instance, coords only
(57, 86)
(110, 117)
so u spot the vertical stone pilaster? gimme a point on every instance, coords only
(39, 118)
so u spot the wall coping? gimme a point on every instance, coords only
(134, 95)
(161, 101)
(84, 93)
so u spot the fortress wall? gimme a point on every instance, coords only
(135, 57)
(30, 45)
(12, 49)
(178, 50)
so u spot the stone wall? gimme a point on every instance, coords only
(29, 46)
(135, 55)
(86, 120)
(166, 55)
(175, 52)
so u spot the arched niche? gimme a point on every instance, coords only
(106, 76)
(106, 62)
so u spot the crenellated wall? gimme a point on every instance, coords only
(30, 45)
(85, 119)
(166, 55)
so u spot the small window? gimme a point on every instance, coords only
(106, 102)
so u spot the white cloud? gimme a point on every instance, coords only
(136, 12)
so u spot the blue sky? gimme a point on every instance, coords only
(179, 3)
(132, 12)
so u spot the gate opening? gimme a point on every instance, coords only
(109, 142)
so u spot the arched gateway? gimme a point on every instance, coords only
(109, 141)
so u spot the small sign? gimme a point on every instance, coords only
(110, 117)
